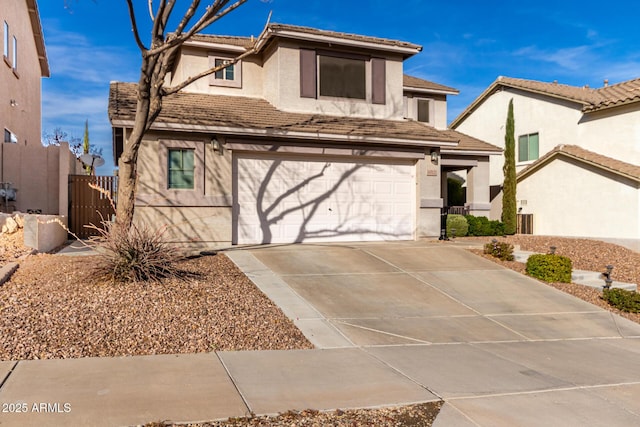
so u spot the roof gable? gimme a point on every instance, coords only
(587, 98)
(575, 152)
(411, 82)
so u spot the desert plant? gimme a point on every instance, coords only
(134, 254)
(482, 226)
(501, 250)
(509, 214)
(549, 267)
(457, 222)
(622, 299)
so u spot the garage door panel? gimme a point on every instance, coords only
(283, 199)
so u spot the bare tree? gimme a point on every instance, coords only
(156, 60)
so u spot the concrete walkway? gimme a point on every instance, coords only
(394, 324)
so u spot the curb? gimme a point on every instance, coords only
(6, 271)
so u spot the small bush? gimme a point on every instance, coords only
(622, 299)
(136, 254)
(482, 226)
(550, 267)
(458, 222)
(501, 250)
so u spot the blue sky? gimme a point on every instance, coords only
(467, 44)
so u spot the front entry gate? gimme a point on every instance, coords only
(89, 205)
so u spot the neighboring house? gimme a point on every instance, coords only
(319, 136)
(37, 176)
(577, 154)
(23, 66)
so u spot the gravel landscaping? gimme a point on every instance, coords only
(52, 308)
(591, 255)
(12, 247)
(420, 415)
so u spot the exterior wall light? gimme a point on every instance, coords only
(216, 145)
(434, 157)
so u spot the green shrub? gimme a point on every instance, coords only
(549, 267)
(622, 299)
(458, 222)
(482, 226)
(501, 250)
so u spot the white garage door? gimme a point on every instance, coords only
(283, 199)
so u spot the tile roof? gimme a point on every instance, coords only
(277, 28)
(195, 110)
(616, 166)
(415, 82)
(590, 99)
(245, 42)
(469, 143)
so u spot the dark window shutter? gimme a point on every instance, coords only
(308, 73)
(378, 81)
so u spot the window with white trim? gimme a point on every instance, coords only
(528, 147)
(230, 76)
(5, 39)
(10, 137)
(15, 54)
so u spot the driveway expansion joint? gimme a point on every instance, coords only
(6, 377)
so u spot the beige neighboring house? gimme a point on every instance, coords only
(317, 137)
(577, 154)
(36, 175)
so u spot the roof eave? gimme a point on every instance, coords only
(226, 130)
(38, 37)
(545, 160)
(215, 46)
(433, 91)
(298, 35)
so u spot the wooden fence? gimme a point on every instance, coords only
(524, 224)
(90, 206)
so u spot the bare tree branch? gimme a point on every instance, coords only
(136, 34)
(209, 18)
(188, 81)
(150, 4)
(188, 15)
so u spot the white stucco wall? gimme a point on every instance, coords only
(614, 133)
(554, 120)
(567, 198)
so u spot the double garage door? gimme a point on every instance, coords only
(283, 198)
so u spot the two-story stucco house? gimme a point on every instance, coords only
(577, 154)
(24, 63)
(318, 136)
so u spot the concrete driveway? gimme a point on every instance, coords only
(500, 348)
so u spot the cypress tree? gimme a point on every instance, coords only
(509, 215)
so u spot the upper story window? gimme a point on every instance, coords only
(10, 137)
(230, 76)
(423, 105)
(419, 109)
(342, 75)
(528, 147)
(5, 40)
(15, 54)
(181, 169)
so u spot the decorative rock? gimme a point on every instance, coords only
(10, 226)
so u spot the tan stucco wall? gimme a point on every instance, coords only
(200, 217)
(194, 61)
(40, 174)
(24, 119)
(430, 202)
(287, 92)
(570, 199)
